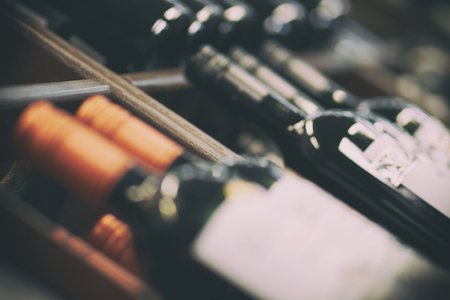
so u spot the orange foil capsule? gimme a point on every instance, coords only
(88, 164)
(115, 239)
(131, 133)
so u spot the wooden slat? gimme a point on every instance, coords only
(122, 91)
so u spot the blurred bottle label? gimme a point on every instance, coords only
(296, 241)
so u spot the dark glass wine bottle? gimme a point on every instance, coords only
(261, 241)
(157, 28)
(433, 141)
(277, 83)
(154, 148)
(342, 152)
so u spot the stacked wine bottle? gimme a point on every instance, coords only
(348, 197)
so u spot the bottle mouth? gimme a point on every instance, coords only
(129, 132)
(86, 163)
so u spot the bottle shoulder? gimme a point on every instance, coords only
(325, 131)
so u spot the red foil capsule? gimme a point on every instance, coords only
(131, 133)
(88, 164)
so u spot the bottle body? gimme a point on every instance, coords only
(181, 216)
(387, 183)
(239, 236)
(431, 141)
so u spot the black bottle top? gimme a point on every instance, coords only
(309, 79)
(284, 20)
(326, 15)
(300, 24)
(204, 27)
(240, 25)
(215, 72)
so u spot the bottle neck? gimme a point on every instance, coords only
(310, 80)
(224, 80)
(277, 83)
(176, 205)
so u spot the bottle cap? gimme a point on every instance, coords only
(131, 133)
(85, 162)
(115, 239)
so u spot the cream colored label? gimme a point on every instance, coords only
(436, 139)
(389, 162)
(298, 242)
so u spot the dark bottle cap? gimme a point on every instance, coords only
(204, 27)
(325, 16)
(241, 25)
(284, 20)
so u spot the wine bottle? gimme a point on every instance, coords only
(258, 240)
(154, 148)
(331, 95)
(341, 152)
(157, 28)
(277, 83)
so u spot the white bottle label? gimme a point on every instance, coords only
(400, 167)
(296, 241)
(389, 162)
(432, 135)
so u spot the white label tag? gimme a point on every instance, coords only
(296, 241)
(389, 162)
